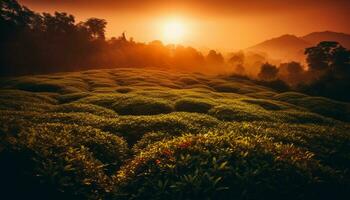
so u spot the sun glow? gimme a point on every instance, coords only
(173, 31)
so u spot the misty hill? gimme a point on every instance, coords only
(285, 47)
(316, 37)
(290, 47)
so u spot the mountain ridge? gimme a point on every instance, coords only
(290, 47)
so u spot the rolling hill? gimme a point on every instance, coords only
(291, 48)
(150, 134)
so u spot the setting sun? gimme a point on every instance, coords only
(173, 31)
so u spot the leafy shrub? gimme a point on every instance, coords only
(266, 104)
(326, 107)
(193, 105)
(267, 146)
(71, 160)
(133, 128)
(67, 98)
(130, 127)
(303, 117)
(19, 105)
(227, 87)
(248, 89)
(278, 85)
(124, 90)
(199, 86)
(261, 95)
(135, 105)
(189, 80)
(289, 96)
(42, 87)
(148, 139)
(85, 108)
(320, 105)
(48, 86)
(224, 167)
(104, 100)
(323, 140)
(234, 113)
(24, 96)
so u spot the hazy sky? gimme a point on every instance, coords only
(217, 24)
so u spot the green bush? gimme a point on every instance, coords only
(235, 113)
(266, 104)
(289, 96)
(57, 86)
(212, 166)
(124, 90)
(67, 98)
(193, 105)
(136, 105)
(85, 108)
(261, 95)
(132, 128)
(326, 107)
(189, 80)
(324, 140)
(71, 160)
(24, 96)
(104, 100)
(149, 139)
(65, 140)
(227, 87)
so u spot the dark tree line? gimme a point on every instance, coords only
(40, 43)
(327, 73)
(331, 62)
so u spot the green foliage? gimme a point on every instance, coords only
(193, 105)
(225, 167)
(227, 87)
(85, 108)
(266, 104)
(124, 90)
(67, 98)
(135, 105)
(289, 96)
(330, 108)
(50, 86)
(235, 113)
(70, 159)
(148, 139)
(232, 139)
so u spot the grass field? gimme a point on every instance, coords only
(148, 134)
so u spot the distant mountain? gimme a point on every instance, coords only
(316, 37)
(285, 48)
(290, 47)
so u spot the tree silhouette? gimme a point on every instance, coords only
(292, 72)
(334, 79)
(96, 27)
(236, 61)
(328, 56)
(268, 72)
(32, 43)
(214, 59)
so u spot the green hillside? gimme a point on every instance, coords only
(148, 134)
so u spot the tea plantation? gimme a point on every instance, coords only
(148, 134)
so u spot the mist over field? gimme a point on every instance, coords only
(88, 116)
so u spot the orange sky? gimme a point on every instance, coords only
(222, 24)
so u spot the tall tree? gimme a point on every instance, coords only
(328, 56)
(96, 27)
(268, 72)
